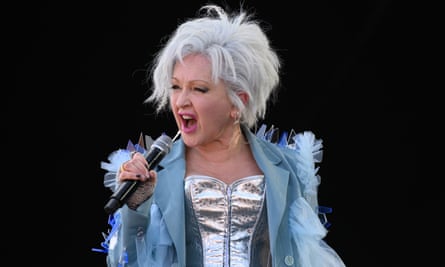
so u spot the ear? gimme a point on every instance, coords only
(243, 96)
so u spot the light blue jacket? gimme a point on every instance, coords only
(154, 234)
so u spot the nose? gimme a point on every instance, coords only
(182, 98)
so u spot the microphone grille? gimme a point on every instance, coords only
(163, 142)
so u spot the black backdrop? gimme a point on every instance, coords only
(78, 92)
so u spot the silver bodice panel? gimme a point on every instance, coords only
(225, 218)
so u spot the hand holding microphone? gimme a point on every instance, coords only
(137, 179)
(137, 176)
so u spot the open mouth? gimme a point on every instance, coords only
(189, 122)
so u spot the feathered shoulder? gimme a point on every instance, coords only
(306, 151)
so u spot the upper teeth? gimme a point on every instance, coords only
(186, 117)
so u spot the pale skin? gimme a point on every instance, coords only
(207, 120)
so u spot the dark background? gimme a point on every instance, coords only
(79, 71)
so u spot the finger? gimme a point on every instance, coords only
(123, 176)
(128, 171)
(140, 165)
(141, 160)
(135, 165)
(153, 176)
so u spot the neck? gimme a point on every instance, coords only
(221, 150)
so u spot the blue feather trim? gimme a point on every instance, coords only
(308, 152)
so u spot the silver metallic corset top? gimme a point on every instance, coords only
(227, 222)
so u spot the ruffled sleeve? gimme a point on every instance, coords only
(307, 220)
(308, 233)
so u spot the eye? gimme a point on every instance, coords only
(174, 87)
(201, 89)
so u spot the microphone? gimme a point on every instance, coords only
(160, 147)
